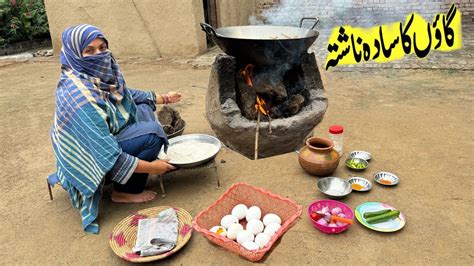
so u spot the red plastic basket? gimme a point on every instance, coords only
(319, 204)
(244, 193)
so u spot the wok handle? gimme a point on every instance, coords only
(208, 29)
(316, 20)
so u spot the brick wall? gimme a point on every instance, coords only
(362, 13)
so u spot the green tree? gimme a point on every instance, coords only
(22, 20)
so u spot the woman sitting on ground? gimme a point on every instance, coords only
(103, 130)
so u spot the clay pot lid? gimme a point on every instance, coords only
(336, 129)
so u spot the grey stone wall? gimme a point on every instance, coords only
(361, 13)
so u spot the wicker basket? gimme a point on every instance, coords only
(268, 202)
(123, 237)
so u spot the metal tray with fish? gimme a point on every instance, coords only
(191, 150)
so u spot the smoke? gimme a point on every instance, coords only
(290, 12)
(253, 20)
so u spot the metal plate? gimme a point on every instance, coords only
(366, 184)
(388, 226)
(356, 160)
(195, 138)
(360, 154)
(386, 179)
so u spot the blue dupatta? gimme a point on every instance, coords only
(92, 105)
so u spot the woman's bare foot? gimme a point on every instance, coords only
(145, 196)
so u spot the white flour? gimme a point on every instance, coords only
(189, 152)
(335, 192)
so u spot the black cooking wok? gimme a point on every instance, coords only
(264, 45)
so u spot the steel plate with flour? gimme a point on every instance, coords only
(191, 150)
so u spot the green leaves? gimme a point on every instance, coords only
(22, 20)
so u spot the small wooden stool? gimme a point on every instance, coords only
(208, 165)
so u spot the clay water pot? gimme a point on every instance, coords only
(319, 157)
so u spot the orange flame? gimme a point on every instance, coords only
(260, 106)
(247, 73)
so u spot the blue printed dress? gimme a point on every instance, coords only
(93, 105)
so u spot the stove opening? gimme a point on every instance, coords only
(280, 88)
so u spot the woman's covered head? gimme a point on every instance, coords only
(76, 39)
(85, 50)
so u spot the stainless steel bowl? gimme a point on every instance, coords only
(386, 179)
(364, 183)
(193, 138)
(334, 187)
(360, 154)
(358, 161)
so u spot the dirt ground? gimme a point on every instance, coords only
(416, 123)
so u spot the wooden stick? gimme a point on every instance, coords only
(255, 157)
(269, 124)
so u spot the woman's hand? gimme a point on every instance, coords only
(170, 97)
(157, 167)
(160, 167)
(175, 96)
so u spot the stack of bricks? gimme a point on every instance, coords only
(369, 13)
(467, 11)
(361, 13)
(261, 5)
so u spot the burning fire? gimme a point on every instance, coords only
(247, 73)
(260, 106)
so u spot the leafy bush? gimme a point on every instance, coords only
(22, 20)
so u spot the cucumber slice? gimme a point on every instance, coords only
(377, 213)
(383, 217)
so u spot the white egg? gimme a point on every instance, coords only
(244, 236)
(227, 220)
(234, 230)
(255, 226)
(239, 211)
(249, 245)
(262, 239)
(253, 213)
(271, 229)
(271, 218)
(220, 230)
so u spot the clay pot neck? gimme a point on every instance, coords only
(321, 145)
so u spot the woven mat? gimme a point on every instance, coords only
(123, 237)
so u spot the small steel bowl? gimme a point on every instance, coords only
(366, 184)
(360, 154)
(386, 179)
(356, 160)
(334, 187)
